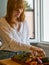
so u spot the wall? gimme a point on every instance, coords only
(3, 4)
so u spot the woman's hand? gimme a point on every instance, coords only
(37, 52)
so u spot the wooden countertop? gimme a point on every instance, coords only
(9, 62)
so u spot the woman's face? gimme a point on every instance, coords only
(17, 13)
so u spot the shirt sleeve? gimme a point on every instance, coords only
(9, 40)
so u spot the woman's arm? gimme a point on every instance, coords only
(10, 41)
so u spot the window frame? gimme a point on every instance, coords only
(42, 24)
(37, 13)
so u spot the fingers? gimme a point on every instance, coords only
(34, 53)
(38, 53)
(41, 52)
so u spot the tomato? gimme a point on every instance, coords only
(33, 63)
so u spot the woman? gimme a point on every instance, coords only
(14, 30)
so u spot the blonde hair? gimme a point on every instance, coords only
(14, 4)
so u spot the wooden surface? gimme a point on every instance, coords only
(9, 62)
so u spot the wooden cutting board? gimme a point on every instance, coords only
(9, 62)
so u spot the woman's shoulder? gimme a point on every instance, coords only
(2, 19)
(25, 22)
(25, 25)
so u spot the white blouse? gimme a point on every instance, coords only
(9, 35)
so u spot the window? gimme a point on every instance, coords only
(33, 19)
(45, 21)
(29, 13)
